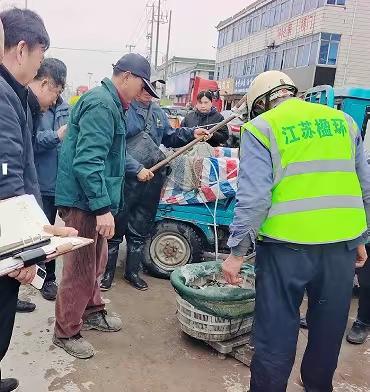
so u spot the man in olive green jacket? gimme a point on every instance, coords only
(88, 194)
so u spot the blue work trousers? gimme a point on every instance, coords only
(283, 273)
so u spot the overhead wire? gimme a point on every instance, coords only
(87, 49)
(139, 25)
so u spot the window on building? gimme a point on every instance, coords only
(256, 24)
(211, 75)
(252, 66)
(336, 2)
(314, 52)
(269, 61)
(271, 16)
(278, 60)
(303, 55)
(229, 36)
(297, 7)
(277, 14)
(289, 57)
(242, 28)
(329, 48)
(285, 10)
(264, 19)
(235, 29)
(310, 5)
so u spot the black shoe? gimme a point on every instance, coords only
(8, 384)
(303, 323)
(25, 306)
(136, 282)
(49, 290)
(106, 282)
(358, 333)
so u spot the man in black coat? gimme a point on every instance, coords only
(26, 40)
(205, 114)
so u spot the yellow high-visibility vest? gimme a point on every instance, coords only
(316, 196)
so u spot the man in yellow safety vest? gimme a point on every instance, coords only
(304, 201)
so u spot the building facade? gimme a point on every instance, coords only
(180, 70)
(314, 41)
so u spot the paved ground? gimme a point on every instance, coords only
(149, 355)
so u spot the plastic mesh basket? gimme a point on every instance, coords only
(226, 302)
(204, 326)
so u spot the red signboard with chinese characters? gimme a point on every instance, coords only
(300, 27)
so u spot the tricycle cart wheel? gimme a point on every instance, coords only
(172, 245)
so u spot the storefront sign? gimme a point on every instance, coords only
(242, 84)
(226, 86)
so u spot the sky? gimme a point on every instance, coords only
(110, 25)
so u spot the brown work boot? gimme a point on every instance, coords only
(101, 322)
(76, 346)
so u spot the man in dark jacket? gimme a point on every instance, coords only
(142, 190)
(89, 193)
(26, 40)
(49, 130)
(205, 114)
(42, 94)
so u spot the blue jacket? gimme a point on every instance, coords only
(161, 132)
(15, 141)
(47, 145)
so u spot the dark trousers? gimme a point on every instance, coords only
(364, 292)
(51, 212)
(136, 220)
(283, 273)
(8, 301)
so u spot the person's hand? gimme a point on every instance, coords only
(145, 175)
(61, 231)
(24, 275)
(231, 268)
(105, 225)
(202, 133)
(61, 132)
(361, 256)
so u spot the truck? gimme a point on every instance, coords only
(198, 84)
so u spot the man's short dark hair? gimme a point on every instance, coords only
(54, 69)
(24, 25)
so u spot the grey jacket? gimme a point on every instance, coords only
(47, 145)
(16, 152)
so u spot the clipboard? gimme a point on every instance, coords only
(58, 246)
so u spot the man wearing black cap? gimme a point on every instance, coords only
(89, 193)
(147, 128)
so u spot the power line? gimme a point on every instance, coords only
(141, 34)
(138, 26)
(88, 50)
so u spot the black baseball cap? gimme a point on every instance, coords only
(138, 66)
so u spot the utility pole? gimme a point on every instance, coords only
(130, 47)
(150, 32)
(25, 4)
(157, 37)
(167, 53)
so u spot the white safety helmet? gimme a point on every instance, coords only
(267, 87)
